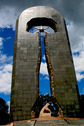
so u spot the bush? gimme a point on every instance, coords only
(4, 116)
(82, 105)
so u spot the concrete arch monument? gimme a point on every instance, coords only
(27, 58)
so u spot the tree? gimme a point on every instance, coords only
(82, 105)
(4, 116)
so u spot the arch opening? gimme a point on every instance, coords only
(44, 78)
(42, 22)
(41, 26)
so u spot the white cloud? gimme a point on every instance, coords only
(79, 64)
(77, 45)
(49, 30)
(47, 77)
(8, 103)
(79, 76)
(76, 36)
(5, 73)
(43, 69)
(79, 61)
(44, 57)
(7, 68)
(4, 59)
(1, 42)
(8, 17)
(8, 38)
(5, 78)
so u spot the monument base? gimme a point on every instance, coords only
(49, 121)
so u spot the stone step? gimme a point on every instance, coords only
(42, 123)
(51, 123)
(25, 123)
(76, 121)
(61, 122)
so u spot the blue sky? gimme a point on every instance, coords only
(73, 12)
(44, 82)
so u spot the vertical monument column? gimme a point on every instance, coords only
(62, 75)
(24, 90)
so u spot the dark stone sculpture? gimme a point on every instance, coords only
(26, 63)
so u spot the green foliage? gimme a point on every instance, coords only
(4, 116)
(41, 102)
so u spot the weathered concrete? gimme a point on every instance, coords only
(27, 61)
(51, 122)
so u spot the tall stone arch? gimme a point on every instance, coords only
(26, 64)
